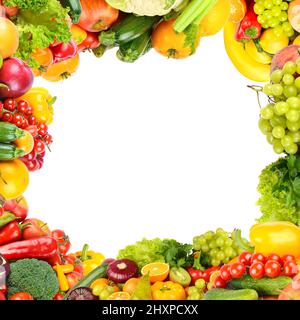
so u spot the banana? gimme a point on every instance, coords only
(247, 66)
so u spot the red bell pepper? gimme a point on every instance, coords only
(55, 259)
(10, 233)
(41, 248)
(249, 28)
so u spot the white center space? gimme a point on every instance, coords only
(158, 148)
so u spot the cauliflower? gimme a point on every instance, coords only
(145, 7)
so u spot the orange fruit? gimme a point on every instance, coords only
(25, 143)
(130, 285)
(238, 9)
(119, 296)
(158, 271)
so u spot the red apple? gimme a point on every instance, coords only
(35, 229)
(18, 207)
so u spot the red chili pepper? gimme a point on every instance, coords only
(41, 248)
(55, 259)
(249, 28)
(10, 233)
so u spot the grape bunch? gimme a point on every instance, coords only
(196, 292)
(273, 14)
(20, 113)
(216, 248)
(280, 118)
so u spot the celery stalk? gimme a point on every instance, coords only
(194, 11)
(202, 15)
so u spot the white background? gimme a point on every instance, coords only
(159, 148)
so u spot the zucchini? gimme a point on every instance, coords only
(225, 294)
(264, 286)
(131, 51)
(130, 28)
(9, 132)
(10, 152)
(99, 272)
(75, 9)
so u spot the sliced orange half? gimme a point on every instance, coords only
(158, 271)
(238, 10)
(119, 296)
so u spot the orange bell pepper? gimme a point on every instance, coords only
(168, 290)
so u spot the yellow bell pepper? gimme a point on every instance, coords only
(42, 103)
(90, 259)
(62, 279)
(168, 290)
(279, 237)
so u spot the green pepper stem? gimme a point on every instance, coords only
(84, 253)
(237, 235)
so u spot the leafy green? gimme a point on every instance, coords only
(279, 186)
(39, 26)
(157, 250)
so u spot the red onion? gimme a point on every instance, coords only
(121, 270)
(4, 271)
(108, 261)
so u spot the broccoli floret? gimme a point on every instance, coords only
(33, 276)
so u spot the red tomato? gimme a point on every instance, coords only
(290, 268)
(58, 296)
(225, 272)
(63, 241)
(274, 256)
(272, 269)
(219, 283)
(245, 258)
(21, 296)
(288, 257)
(257, 270)
(237, 270)
(258, 257)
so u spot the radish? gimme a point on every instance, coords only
(16, 78)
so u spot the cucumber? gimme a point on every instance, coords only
(224, 294)
(9, 132)
(99, 272)
(127, 30)
(9, 152)
(264, 286)
(74, 7)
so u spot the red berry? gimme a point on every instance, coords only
(245, 258)
(29, 110)
(219, 283)
(257, 270)
(274, 256)
(272, 269)
(290, 268)
(22, 106)
(39, 146)
(7, 117)
(32, 120)
(18, 119)
(237, 270)
(225, 272)
(48, 139)
(10, 104)
(258, 257)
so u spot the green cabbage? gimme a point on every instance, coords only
(145, 7)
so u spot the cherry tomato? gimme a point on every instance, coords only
(32, 120)
(272, 269)
(258, 257)
(48, 139)
(18, 119)
(42, 129)
(207, 273)
(257, 270)
(10, 104)
(29, 110)
(288, 257)
(21, 296)
(7, 116)
(219, 282)
(290, 269)
(63, 241)
(33, 130)
(30, 156)
(274, 256)
(39, 146)
(22, 106)
(245, 258)
(237, 270)
(58, 296)
(225, 272)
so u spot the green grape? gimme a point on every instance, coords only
(283, 16)
(220, 242)
(286, 27)
(277, 89)
(277, 147)
(204, 248)
(215, 262)
(221, 232)
(278, 31)
(280, 108)
(286, 141)
(284, 6)
(289, 67)
(290, 91)
(273, 22)
(276, 76)
(290, 33)
(220, 255)
(292, 126)
(265, 26)
(278, 132)
(267, 89)
(228, 251)
(98, 289)
(278, 121)
(208, 235)
(277, 2)
(212, 244)
(193, 289)
(261, 19)
(228, 242)
(298, 61)
(292, 148)
(268, 4)
(288, 79)
(213, 252)
(270, 138)
(292, 115)
(259, 8)
(200, 284)
(265, 126)
(295, 136)
(276, 11)
(293, 102)
(298, 71)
